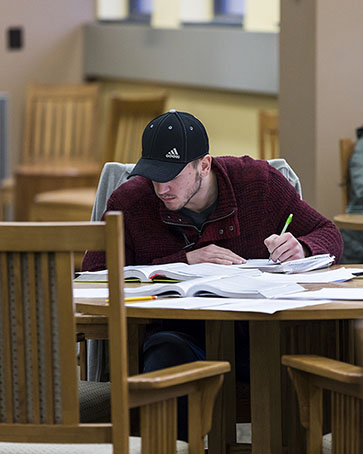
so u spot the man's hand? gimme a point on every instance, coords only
(214, 254)
(284, 247)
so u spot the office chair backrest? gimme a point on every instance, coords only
(127, 118)
(268, 131)
(60, 124)
(282, 166)
(114, 174)
(38, 369)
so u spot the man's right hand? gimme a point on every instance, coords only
(214, 254)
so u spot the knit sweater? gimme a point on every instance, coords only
(254, 201)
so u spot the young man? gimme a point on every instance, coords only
(185, 206)
(189, 207)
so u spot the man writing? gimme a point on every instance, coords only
(193, 208)
(185, 206)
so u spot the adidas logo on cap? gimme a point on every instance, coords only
(173, 153)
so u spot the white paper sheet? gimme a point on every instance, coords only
(354, 294)
(321, 277)
(267, 306)
(90, 293)
(313, 262)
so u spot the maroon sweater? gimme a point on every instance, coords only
(254, 201)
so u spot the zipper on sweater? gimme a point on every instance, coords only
(188, 244)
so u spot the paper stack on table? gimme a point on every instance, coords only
(311, 263)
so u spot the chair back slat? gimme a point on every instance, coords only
(18, 337)
(46, 339)
(33, 322)
(6, 385)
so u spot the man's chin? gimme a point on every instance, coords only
(172, 206)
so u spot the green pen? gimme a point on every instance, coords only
(288, 221)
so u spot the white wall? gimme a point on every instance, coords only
(52, 51)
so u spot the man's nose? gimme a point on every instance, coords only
(162, 188)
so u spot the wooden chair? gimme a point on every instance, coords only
(60, 143)
(127, 117)
(343, 220)
(6, 197)
(268, 132)
(346, 149)
(38, 372)
(312, 375)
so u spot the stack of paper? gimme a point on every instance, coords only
(311, 263)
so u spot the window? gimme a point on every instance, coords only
(142, 7)
(226, 12)
(229, 12)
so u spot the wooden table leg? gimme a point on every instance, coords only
(265, 387)
(220, 346)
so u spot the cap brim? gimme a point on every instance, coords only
(159, 171)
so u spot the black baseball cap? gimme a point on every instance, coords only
(169, 143)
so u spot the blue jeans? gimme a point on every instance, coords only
(167, 349)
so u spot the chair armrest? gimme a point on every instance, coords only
(325, 367)
(178, 375)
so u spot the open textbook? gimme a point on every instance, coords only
(170, 271)
(311, 263)
(182, 271)
(227, 286)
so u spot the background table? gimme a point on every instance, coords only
(349, 221)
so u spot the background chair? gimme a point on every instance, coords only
(311, 375)
(128, 114)
(60, 142)
(38, 380)
(282, 166)
(127, 117)
(346, 149)
(351, 220)
(268, 133)
(6, 197)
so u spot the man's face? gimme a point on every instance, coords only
(179, 192)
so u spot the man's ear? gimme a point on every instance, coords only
(205, 165)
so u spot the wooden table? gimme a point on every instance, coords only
(349, 221)
(265, 354)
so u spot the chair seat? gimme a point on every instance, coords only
(60, 169)
(47, 448)
(94, 401)
(63, 205)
